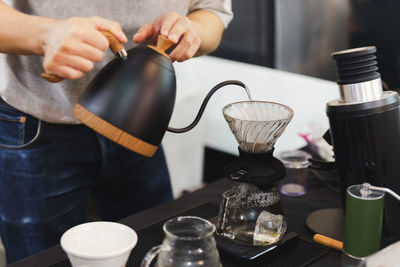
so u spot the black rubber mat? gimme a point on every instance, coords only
(300, 254)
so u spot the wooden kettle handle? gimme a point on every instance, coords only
(115, 46)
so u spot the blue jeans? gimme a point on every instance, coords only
(45, 187)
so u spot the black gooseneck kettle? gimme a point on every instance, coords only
(131, 99)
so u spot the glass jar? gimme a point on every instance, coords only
(189, 241)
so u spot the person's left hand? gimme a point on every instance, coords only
(178, 29)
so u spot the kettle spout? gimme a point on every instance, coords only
(204, 104)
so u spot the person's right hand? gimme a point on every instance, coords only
(71, 46)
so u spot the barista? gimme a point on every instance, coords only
(45, 186)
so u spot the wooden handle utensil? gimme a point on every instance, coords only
(328, 242)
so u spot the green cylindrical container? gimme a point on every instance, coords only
(363, 221)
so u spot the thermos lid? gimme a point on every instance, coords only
(364, 192)
(356, 65)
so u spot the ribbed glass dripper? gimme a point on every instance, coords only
(257, 124)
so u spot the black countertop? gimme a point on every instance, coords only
(296, 210)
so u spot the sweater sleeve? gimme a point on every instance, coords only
(222, 8)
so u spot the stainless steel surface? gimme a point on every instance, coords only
(307, 32)
(361, 92)
(122, 53)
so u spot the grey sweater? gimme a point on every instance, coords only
(21, 85)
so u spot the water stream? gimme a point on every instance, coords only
(248, 93)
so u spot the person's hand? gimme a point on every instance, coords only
(178, 29)
(72, 45)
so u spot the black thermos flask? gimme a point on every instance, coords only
(365, 131)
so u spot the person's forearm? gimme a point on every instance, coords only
(21, 33)
(209, 28)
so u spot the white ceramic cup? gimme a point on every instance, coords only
(99, 244)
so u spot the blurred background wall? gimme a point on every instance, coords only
(299, 35)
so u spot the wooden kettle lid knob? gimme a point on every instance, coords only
(163, 44)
